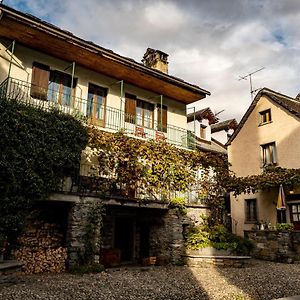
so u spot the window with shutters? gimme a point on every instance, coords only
(268, 154)
(144, 114)
(39, 81)
(138, 111)
(96, 104)
(59, 89)
(162, 112)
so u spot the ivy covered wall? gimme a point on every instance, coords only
(37, 150)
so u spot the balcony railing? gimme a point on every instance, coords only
(90, 181)
(95, 112)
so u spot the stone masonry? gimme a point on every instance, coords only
(280, 246)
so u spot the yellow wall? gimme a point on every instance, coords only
(244, 156)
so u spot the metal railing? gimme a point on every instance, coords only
(89, 180)
(92, 112)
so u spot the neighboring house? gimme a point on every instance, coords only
(46, 66)
(268, 134)
(222, 131)
(200, 123)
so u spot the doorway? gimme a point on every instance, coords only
(124, 227)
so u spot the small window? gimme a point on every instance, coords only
(295, 212)
(265, 116)
(250, 210)
(268, 154)
(203, 132)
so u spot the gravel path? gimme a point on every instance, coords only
(263, 280)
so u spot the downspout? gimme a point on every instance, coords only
(161, 111)
(11, 56)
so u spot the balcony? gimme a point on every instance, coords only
(91, 112)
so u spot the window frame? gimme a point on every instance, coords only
(251, 213)
(271, 147)
(265, 117)
(95, 91)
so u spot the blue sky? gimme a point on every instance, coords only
(210, 43)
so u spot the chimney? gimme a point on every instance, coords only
(156, 59)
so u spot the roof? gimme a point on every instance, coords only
(289, 104)
(210, 146)
(54, 41)
(204, 113)
(224, 125)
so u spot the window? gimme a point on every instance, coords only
(96, 104)
(203, 131)
(138, 111)
(295, 212)
(59, 89)
(265, 116)
(251, 210)
(144, 114)
(268, 154)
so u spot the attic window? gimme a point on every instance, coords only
(265, 117)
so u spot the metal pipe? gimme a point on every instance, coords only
(121, 100)
(161, 104)
(194, 119)
(73, 73)
(11, 56)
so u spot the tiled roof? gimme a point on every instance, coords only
(210, 146)
(224, 125)
(290, 104)
(204, 113)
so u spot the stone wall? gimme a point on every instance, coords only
(77, 222)
(280, 246)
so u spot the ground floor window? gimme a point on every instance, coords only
(250, 210)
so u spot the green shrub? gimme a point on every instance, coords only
(178, 204)
(217, 236)
(284, 227)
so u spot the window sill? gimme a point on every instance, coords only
(251, 222)
(266, 123)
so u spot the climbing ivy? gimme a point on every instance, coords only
(272, 176)
(38, 149)
(154, 168)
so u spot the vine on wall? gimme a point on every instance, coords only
(155, 168)
(37, 150)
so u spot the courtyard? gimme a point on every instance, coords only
(260, 281)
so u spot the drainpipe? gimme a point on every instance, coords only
(11, 56)
(161, 111)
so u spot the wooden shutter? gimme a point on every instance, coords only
(162, 117)
(130, 108)
(39, 81)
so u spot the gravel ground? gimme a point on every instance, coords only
(262, 280)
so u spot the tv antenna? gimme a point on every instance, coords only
(250, 79)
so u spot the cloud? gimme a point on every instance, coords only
(210, 43)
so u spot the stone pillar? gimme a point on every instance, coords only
(77, 224)
(166, 239)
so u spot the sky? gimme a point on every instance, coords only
(211, 43)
